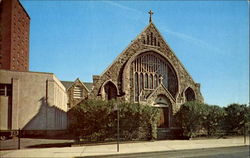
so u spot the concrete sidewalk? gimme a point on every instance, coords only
(165, 145)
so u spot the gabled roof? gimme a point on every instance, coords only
(68, 84)
(167, 93)
(89, 85)
(137, 37)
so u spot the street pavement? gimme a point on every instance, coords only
(126, 148)
(223, 152)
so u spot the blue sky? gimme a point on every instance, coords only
(81, 38)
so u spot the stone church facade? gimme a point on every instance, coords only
(146, 72)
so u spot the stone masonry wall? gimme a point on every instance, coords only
(116, 70)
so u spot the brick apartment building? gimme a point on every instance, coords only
(14, 36)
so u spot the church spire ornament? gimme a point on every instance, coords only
(150, 15)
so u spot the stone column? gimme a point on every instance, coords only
(50, 111)
(15, 103)
(4, 102)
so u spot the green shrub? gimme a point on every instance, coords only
(197, 118)
(213, 120)
(236, 116)
(97, 120)
(190, 117)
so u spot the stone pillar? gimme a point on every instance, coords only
(50, 111)
(4, 112)
(15, 103)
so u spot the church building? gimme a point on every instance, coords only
(146, 72)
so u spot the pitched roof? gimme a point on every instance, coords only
(89, 85)
(68, 84)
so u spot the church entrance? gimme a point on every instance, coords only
(163, 125)
(164, 118)
(163, 103)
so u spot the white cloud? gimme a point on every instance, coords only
(122, 6)
(193, 40)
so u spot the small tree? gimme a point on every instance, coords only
(236, 116)
(190, 117)
(212, 121)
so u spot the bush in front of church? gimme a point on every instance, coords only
(198, 119)
(237, 118)
(190, 117)
(96, 120)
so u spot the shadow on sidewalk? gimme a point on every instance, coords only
(51, 145)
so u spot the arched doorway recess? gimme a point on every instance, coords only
(164, 104)
(110, 90)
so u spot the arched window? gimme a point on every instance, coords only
(189, 94)
(141, 82)
(151, 81)
(146, 81)
(155, 81)
(149, 69)
(136, 85)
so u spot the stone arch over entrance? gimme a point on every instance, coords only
(165, 107)
(109, 90)
(146, 70)
(189, 94)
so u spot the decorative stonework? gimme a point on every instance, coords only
(120, 75)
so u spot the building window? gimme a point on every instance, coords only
(155, 81)
(77, 92)
(151, 38)
(146, 81)
(147, 39)
(149, 70)
(5, 90)
(151, 81)
(141, 82)
(136, 87)
(189, 94)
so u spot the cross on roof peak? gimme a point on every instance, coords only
(150, 15)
